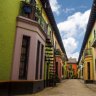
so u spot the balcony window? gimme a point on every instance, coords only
(57, 52)
(87, 52)
(94, 34)
(94, 40)
(38, 15)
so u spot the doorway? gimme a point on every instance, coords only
(88, 71)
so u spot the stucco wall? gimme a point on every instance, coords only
(59, 60)
(94, 51)
(9, 9)
(86, 69)
(90, 59)
(27, 29)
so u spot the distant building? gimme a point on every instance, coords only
(71, 68)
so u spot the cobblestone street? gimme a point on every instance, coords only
(70, 87)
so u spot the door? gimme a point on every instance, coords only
(57, 68)
(88, 70)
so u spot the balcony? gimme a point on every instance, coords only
(57, 52)
(32, 12)
(94, 42)
(88, 52)
(40, 20)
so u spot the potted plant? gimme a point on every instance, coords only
(27, 8)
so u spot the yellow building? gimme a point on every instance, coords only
(94, 51)
(87, 59)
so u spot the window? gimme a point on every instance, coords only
(41, 63)
(56, 68)
(88, 70)
(94, 34)
(55, 45)
(46, 28)
(62, 70)
(24, 58)
(95, 64)
(32, 2)
(37, 60)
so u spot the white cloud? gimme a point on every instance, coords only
(74, 25)
(74, 55)
(68, 10)
(55, 6)
(70, 44)
(72, 30)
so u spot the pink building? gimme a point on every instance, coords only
(58, 65)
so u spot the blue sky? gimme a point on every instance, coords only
(71, 17)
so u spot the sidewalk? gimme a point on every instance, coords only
(91, 86)
(71, 87)
(46, 91)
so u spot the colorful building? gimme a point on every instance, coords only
(29, 37)
(59, 65)
(87, 58)
(71, 68)
(65, 70)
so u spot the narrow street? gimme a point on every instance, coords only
(72, 87)
(48, 48)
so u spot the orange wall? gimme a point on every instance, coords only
(74, 66)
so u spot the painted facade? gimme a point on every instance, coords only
(87, 61)
(71, 68)
(58, 65)
(94, 50)
(65, 70)
(29, 38)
